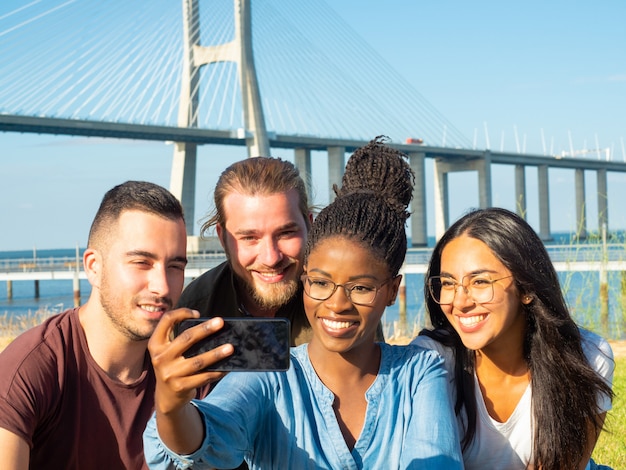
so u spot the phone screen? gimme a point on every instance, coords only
(261, 344)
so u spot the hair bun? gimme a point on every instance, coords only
(379, 169)
(371, 205)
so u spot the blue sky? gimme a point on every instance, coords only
(492, 68)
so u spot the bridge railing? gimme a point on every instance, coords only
(17, 265)
(577, 253)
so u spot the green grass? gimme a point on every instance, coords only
(611, 447)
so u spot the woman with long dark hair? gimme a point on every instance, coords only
(532, 388)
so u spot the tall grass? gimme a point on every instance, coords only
(595, 303)
(13, 325)
(611, 447)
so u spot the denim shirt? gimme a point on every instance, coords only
(286, 420)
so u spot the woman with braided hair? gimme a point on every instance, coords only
(346, 400)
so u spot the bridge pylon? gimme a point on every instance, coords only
(239, 50)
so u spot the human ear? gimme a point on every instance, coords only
(526, 299)
(220, 233)
(394, 285)
(92, 262)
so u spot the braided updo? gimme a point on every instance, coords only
(371, 205)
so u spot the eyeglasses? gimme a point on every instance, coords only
(359, 293)
(479, 288)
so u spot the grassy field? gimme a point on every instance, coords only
(611, 447)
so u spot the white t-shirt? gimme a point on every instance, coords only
(509, 444)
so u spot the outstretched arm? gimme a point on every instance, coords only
(179, 424)
(14, 451)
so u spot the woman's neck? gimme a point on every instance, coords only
(344, 367)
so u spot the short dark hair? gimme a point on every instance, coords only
(134, 195)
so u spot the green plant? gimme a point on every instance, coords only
(611, 447)
(13, 325)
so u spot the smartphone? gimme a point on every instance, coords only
(261, 344)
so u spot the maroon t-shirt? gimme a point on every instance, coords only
(68, 410)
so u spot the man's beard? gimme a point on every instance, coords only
(272, 296)
(119, 312)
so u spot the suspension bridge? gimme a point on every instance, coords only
(264, 75)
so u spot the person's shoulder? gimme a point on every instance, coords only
(41, 347)
(427, 342)
(598, 353)
(54, 329)
(409, 354)
(592, 343)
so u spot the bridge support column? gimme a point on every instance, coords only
(183, 180)
(581, 212)
(520, 190)
(254, 119)
(443, 166)
(603, 201)
(183, 176)
(441, 198)
(336, 166)
(302, 160)
(419, 236)
(239, 50)
(484, 180)
(544, 203)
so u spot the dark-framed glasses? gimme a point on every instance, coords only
(359, 292)
(479, 288)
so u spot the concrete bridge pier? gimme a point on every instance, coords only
(483, 167)
(336, 166)
(544, 203)
(419, 235)
(239, 50)
(183, 180)
(183, 174)
(443, 166)
(581, 212)
(520, 190)
(442, 214)
(302, 160)
(603, 200)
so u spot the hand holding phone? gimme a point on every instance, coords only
(260, 344)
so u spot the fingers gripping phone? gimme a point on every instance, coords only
(261, 344)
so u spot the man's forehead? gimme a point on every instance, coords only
(237, 201)
(269, 212)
